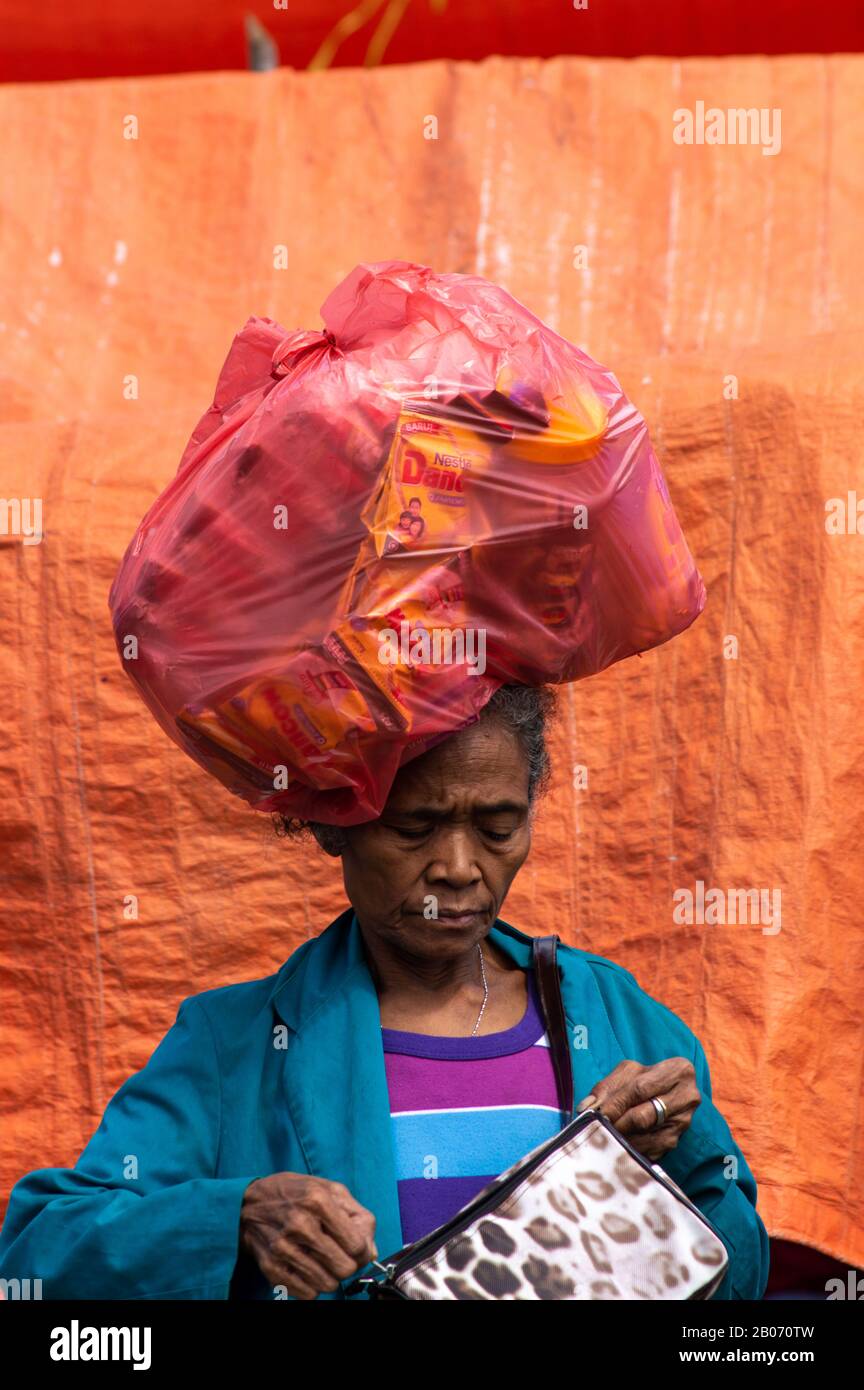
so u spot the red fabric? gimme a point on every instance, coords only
(92, 39)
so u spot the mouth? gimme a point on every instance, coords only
(462, 917)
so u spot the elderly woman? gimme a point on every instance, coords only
(288, 1131)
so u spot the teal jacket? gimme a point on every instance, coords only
(287, 1074)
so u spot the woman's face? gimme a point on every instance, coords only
(452, 837)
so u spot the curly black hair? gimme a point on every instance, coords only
(526, 710)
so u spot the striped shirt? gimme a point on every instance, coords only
(464, 1109)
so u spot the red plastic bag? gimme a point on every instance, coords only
(375, 526)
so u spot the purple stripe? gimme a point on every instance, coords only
(426, 1203)
(520, 1078)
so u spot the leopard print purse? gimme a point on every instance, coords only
(582, 1216)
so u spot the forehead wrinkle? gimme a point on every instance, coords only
(480, 760)
(489, 808)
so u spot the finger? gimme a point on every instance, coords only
(680, 1103)
(359, 1240)
(300, 1263)
(655, 1146)
(291, 1282)
(616, 1092)
(331, 1256)
(601, 1090)
(344, 1198)
(637, 1084)
(349, 1224)
(642, 1119)
(661, 1078)
(280, 1274)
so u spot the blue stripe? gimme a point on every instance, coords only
(461, 1143)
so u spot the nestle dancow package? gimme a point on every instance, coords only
(376, 525)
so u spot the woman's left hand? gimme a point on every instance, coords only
(624, 1097)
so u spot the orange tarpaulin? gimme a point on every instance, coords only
(722, 286)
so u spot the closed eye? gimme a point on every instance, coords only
(406, 833)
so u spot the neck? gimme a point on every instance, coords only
(395, 969)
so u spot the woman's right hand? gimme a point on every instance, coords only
(305, 1233)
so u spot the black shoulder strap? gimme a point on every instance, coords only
(549, 989)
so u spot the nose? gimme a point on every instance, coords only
(455, 861)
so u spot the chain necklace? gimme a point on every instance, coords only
(485, 992)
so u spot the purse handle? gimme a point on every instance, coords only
(548, 979)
